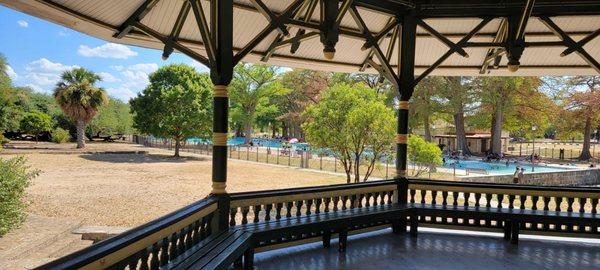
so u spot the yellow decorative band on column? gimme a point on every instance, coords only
(402, 138)
(219, 139)
(403, 105)
(218, 187)
(220, 91)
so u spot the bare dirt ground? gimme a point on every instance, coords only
(124, 190)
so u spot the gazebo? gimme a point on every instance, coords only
(401, 40)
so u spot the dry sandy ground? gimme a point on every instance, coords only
(130, 189)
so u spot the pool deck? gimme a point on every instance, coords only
(438, 249)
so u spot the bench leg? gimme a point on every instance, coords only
(507, 228)
(343, 237)
(249, 259)
(327, 239)
(414, 224)
(514, 238)
(399, 225)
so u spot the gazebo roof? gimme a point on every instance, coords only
(111, 20)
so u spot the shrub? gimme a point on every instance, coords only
(60, 135)
(423, 155)
(35, 123)
(14, 178)
(3, 140)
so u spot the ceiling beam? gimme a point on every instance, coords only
(581, 43)
(136, 16)
(176, 30)
(205, 34)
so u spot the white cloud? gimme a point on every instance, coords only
(199, 66)
(118, 68)
(107, 77)
(11, 73)
(122, 93)
(23, 23)
(108, 50)
(43, 74)
(147, 67)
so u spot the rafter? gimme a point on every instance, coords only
(271, 17)
(454, 47)
(176, 30)
(365, 63)
(459, 44)
(500, 37)
(581, 43)
(136, 16)
(392, 23)
(272, 48)
(570, 43)
(209, 44)
(307, 17)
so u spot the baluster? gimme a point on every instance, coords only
(352, 201)
(278, 207)
(309, 203)
(558, 201)
(268, 208)
(133, 261)
(245, 210)
(488, 199)
(523, 201)
(336, 201)
(196, 237)
(164, 252)
(412, 195)
(344, 199)
(327, 202)
(455, 198)
(423, 193)
(154, 264)
(500, 200)
(367, 198)
(299, 208)
(511, 201)
(582, 202)
(173, 247)
(477, 198)
(444, 198)
(546, 200)
(256, 211)
(390, 194)
(375, 197)
(203, 228)
(534, 202)
(189, 242)
(181, 241)
(434, 197)
(570, 204)
(232, 214)
(318, 203)
(144, 260)
(594, 206)
(289, 208)
(467, 195)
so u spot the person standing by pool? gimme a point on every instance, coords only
(516, 176)
(521, 175)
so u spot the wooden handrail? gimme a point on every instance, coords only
(121, 247)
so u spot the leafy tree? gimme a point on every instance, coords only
(582, 108)
(425, 106)
(35, 123)
(355, 124)
(5, 81)
(252, 85)
(114, 118)
(456, 98)
(79, 98)
(176, 104)
(15, 176)
(423, 154)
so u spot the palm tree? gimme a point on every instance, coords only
(79, 98)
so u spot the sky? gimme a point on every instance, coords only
(39, 51)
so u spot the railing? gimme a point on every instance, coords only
(148, 246)
(154, 244)
(569, 200)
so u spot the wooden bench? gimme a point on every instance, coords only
(513, 219)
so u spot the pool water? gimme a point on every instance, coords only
(501, 167)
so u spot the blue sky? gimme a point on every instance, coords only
(38, 51)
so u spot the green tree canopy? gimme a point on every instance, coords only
(423, 155)
(176, 104)
(114, 118)
(35, 123)
(354, 123)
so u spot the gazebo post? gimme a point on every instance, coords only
(221, 73)
(406, 84)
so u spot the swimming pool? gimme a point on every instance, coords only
(501, 167)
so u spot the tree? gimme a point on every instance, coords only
(79, 98)
(455, 98)
(423, 154)
(583, 107)
(114, 118)
(424, 105)
(354, 123)
(35, 123)
(176, 104)
(251, 85)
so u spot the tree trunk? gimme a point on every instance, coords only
(461, 135)
(426, 127)
(497, 120)
(357, 169)
(248, 132)
(80, 134)
(177, 146)
(587, 136)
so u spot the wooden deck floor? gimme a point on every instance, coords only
(435, 249)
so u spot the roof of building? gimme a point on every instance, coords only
(453, 19)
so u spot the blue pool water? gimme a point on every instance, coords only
(500, 167)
